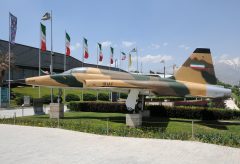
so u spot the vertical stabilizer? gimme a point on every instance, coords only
(198, 68)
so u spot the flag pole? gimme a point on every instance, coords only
(39, 63)
(82, 62)
(97, 55)
(110, 59)
(119, 61)
(97, 65)
(65, 61)
(9, 62)
(137, 59)
(51, 56)
(83, 52)
(65, 56)
(128, 61)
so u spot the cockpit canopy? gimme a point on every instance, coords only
(76, 70)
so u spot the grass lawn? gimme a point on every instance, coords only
(33, 92)
(114, 124)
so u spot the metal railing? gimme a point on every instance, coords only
(214, 132)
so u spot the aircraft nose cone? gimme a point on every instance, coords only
(228, 93)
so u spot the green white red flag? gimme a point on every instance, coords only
(85, 46)
(129, 60)
(134, 50)
(67, 40)
(43, 38)
(111, 55)
(100, 52)
(124, 56)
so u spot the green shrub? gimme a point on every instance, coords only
(159, 111)
(19, 100)
(193, 113)
(103, 97)
(89, 97)
(93, 106)
(123, 95)
(71, 97)
(46, 99)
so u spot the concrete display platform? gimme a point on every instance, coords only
(23, 144)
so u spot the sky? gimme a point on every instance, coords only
(167, 30)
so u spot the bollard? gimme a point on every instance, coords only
(22, 110)
(192, 130)
(107, 125)
(58, 123)
(14, 118)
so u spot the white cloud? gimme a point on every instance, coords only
(165, 44)
(153, 58)
(106, 44)
(75, 46)
(128, 44)
(155, 46)
(232, 61)
(185, 47)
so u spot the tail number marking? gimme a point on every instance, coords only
(107, 84)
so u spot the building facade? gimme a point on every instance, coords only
(27, 61)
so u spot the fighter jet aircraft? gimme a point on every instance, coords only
(195, 78)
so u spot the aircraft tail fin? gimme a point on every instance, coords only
(198, 68)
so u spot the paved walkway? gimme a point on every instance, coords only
(44, 145)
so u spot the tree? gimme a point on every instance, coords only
(4, 64)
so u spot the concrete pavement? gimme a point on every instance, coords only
(24, 144)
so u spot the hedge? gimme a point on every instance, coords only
(123, 95)
(93, 106)
(46, 99)
(71, 97)
(89, 97)
(194, 113)
(20, 100)
(103, 96)
(159, 111)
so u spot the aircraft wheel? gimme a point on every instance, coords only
(130, 109)
(139, 105)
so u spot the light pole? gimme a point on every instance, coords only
(48, 16)
(164, 68)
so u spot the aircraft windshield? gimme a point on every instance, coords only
(76, 70)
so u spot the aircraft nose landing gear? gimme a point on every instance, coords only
(132, 100)
(135, 102)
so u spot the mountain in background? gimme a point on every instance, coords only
(228, 70)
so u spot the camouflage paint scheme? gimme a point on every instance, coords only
(187, 81)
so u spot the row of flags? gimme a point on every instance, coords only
(13, 29)
(85, 47)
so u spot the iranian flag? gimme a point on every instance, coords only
(111, 55)
(68, 51)
(123, 56)
(197, 65)
(130, 60)
(43, 38)
(100, 52)
(85, 46)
